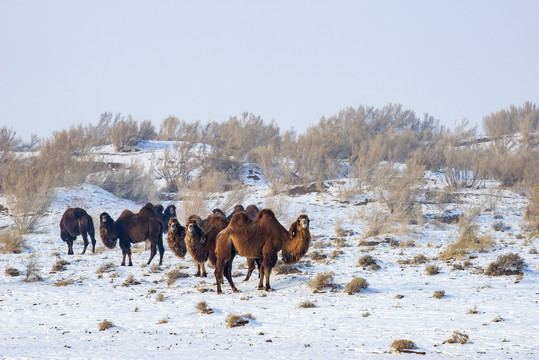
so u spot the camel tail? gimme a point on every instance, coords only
(91, 228)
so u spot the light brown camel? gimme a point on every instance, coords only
(262, 239)
(75, 222)
(133, 228)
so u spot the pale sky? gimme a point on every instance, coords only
(65, 62)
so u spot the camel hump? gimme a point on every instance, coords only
(79, 213)
(265, 213)
(194, 219)
(240, 218)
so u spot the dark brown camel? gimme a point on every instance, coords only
(75, 222)
(200, 239)
(164, 216)
(133, 228)
(262, 239)
(176, 238)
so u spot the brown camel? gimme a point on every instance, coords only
(200, 239)
(75, 222)
(262, 239)
(176, 238)
(164, 217)
(236, 209)
(133, 228)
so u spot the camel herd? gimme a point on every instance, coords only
(248, 232)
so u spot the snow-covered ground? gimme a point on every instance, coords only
(152, 319)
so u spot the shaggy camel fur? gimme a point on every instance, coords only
(200, 239)
(133, 228)
(164, 217)
(75, 222)
(176, 238)
(262, 239)
(236, 209)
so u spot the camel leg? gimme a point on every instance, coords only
(251, 267)
(153, 251)
(219, 266)
(261, 277)
(85, 239)
(93, 243)
(70, 247)
(267, 270)
(123, 257)
(129, 255)
(161, 249)
(204, 274)
(198, 270)
(228, 275)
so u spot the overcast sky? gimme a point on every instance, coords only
(65, 62)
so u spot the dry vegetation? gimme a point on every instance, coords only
(104, 325)
(233, 320)
(11, 242)
(508, 264)
(322, 281)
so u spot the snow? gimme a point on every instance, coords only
(41, 320)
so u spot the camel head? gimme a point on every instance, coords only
(107, 230)
(299, 240)
(171, 211)
(174, 225)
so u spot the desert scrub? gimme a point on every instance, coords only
(163, 321)
(130, 280)
(65, 282)
(317, 256)
(105, 324)
(202, 307)
(457, 337)
(322, 281)
(438, 294)
(11, 242)
(160, 297)
(32, 271)
(238, 320)
(175, 274)
(367, 262)
(402, 344)
(105, 268)
(306, 305)
(509, 264)
(60, 265)
(355, 285)
(432, 269)
(12, 272)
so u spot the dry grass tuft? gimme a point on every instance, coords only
(322, 281)
(105, 324)
(509, 264)
(12, 272)
(438, 294)
(367, 262)
(65, 282)
(160, 297)
(163, 321)
(130, 280)
(60, 265)
(32, 271)
(432, 269)
(306, 305)
(202, 307)
(457, 337)
(175, 274)
(402, 344)
(355, 285)
(317, 256)
(11, 242)
(105, 268)
(238, 320)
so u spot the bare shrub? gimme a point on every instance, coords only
(8, 142)
(438, 294)
(11, 242)
(175, 274)
(419, 259)
(12, 272)
(176, 165)
(160, 297)
(466, 166)
(105, 268)
(355, 285)
(133, 183)
(195, 201)
(60, 265)
(32, 271)
(306, 305)
(147, 131)
(512, 168)
(468, 241)
(105, 324)
(531, 215)
(65, 282)
(233, 320)
(367, 262)
(321, 281)
(130, 280)
(508, 264)
(162, 321)
(500, 226)
(124, 133)
(523, 119)
(457, 337)
(432, 270)
(202, 307)
(29, 188)
(379, 223)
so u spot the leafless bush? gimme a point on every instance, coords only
(321, 281)
(402, 344)
(60, 265)
(368, 262)
(438, 294)
(457, 337)
(466, 166)
(176, 165)
(124, 133)
(432, 270)
(306, 305)
(105, 268)
(513, 168)
(509, 264)
(524, 119)
(133, 183)
(29, 188)
(379, 223)
(11, 242)
(146, 131)
(32, 271)
(160, 297)
(8, 142)
(233, 320)
(175, 274)
(195, 201)
(355, 285)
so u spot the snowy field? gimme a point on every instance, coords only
(155, 319)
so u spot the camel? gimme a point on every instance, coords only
(262, 239)
(200, 239)
(75, 222)
(133, 228)
(236, 209)
(164, 217)
(176, 238)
